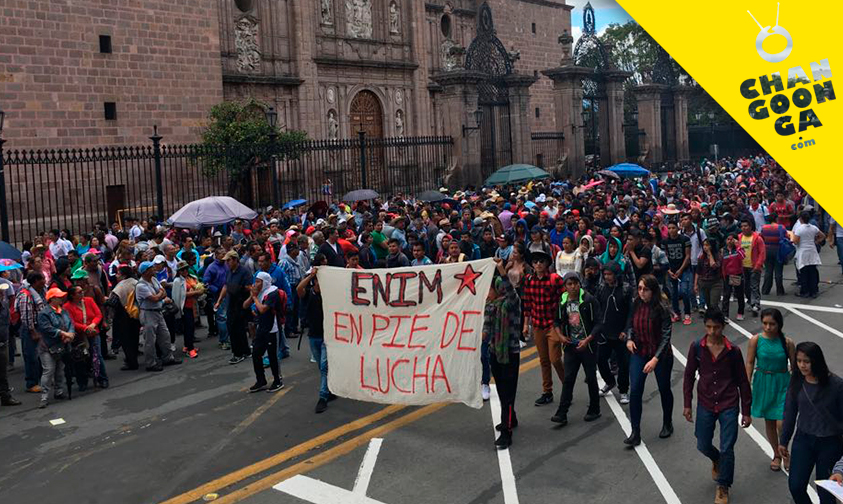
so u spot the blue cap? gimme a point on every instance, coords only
(144, 266)
(507, 206)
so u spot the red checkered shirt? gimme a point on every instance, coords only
(541, 299)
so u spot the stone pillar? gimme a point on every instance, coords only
(650, 120)
(612, 117)
(519, 121)
(680, 104)
(458, 101)
(567, 101)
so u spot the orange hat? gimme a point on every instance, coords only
(55, 292)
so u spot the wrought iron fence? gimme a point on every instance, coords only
(75, 188)
(548, 148)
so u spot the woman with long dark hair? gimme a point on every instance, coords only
(815, 395)
(768, 356)
(649, 343)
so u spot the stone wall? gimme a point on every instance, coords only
(514, 21)
(164, 69)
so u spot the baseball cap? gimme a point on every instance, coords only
(182, 265)
(79, 274)
(159, 259)
(231, 254)
(144, 266)
(55, 292)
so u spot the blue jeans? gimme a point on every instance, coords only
(96, 349)
(283, 348)
(484, 361)
(320, 353)
(704, 430)
(220, 318)
(31, 361)
(681, 287)
(839, 243)
(806, 452)
(637, 381)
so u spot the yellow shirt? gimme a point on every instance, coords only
(746, 245)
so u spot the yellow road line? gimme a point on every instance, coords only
(339, 450)
(249, 420)
(270, 462)
(303, 448)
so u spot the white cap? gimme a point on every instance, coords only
(159, 259)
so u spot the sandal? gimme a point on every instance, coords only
(776, 464)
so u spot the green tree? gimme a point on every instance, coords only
(238, 139)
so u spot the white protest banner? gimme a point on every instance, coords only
(406, 335)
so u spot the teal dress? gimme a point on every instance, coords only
(770, 380)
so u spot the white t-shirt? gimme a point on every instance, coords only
(806, 251)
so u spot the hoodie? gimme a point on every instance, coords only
(615, 308)
(214, 277)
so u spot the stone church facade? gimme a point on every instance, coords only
(86, 72)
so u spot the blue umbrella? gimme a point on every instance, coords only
(294, 204)
(629, 170)
(9, 252)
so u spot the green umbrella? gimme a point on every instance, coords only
(516, 173)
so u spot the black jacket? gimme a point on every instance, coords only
(334, 259)
(615, 309)
(589, 315)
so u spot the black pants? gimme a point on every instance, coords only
(236, 323)
(170, 320)
(810, 285)
(809, 453)
(621, 354)
(728, 289)
(209, 314)
(573, 359)
(127, 330)
(506, 383)
(188, 325)
(265, 343)
(772, 266)
(5, 393)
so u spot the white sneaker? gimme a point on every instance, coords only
(312, 360)
(624, 399)
(485, 391)
(172, 347)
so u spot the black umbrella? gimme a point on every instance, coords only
(7, 251)
(319, 209)
(431, 196)
(609, 174)
(360, 195)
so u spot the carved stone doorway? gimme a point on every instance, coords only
(367, 114)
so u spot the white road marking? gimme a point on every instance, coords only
(510, 492)
(318, 492)
(739, 329)
(644, 454)
(816, 322)
(364, 475)
(779, 304)
(756, 436)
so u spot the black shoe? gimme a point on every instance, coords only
(109, 356)
(498, 427)
(10, 401)
(155, 368)
(127, 367)
(504, 441)
(236, 360)
(83, 388)
(545, 398)
(667, 431)
(275, 387)
(634, 439)
(331, 397)
(173, 362)
(103, 384)
(321, 406)
(560, 418)
(590, 417)
(257, 387)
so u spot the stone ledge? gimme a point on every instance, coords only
(285, 80)
(397, 65)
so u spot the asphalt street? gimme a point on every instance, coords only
(193, 434)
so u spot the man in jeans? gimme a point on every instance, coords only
(772, 234)
(678, 249)
(723, 391)
(29, 302)
(542, 290)
(309, 291)
(151, 297)
(753, 264)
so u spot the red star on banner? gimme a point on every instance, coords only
(467, 279)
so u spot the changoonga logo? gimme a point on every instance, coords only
(802, 92)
